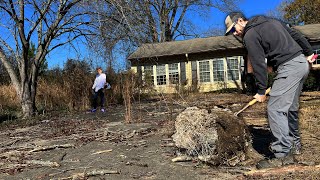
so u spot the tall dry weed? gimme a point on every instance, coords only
(128, 81)
(8, 97)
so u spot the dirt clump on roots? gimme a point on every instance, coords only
(212, 135)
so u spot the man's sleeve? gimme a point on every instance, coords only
(300, 39)
(257, 58)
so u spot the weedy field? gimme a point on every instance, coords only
(99, 145)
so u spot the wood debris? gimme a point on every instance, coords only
(100, 152)
(43, 163)
(181, 159)
(52, 147)
(91, 173)
(168, 145)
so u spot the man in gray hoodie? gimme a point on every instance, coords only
(288, 52)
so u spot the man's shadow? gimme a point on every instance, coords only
(261, 140)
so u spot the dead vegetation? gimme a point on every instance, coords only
(81, 146)
(214, 135)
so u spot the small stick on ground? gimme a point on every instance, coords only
(52, 147)
(91, 173)
(181, 159)
(100, 152)
(43, 163)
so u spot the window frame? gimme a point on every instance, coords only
(223, 69)
(165, 75)
(152, 73)
(176, 73)
(236, 69)
(317, 61)
(199, 73)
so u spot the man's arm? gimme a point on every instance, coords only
(300, 39)
(257, 57)
(94, 84)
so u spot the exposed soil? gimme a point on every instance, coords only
(101, 146)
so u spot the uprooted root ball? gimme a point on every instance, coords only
(215, 135)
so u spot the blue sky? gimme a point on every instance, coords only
(215, 20)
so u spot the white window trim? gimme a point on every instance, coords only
(168, 79)
(226, 68)
(211, 72)
(154, 75)
(167, 75)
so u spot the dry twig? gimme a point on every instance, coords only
(52, 147)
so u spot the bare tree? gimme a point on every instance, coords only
(51, 24)
(133, 22)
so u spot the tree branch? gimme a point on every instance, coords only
(42, 15)
(10, 69)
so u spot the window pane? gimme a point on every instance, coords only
(174, 73)
(317, 61)
(204, 71)
(148, 75)
(161, 75)
(218, 70)
(233, 69)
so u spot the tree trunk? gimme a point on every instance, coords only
(27, 100)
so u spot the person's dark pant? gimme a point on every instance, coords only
(100, 94)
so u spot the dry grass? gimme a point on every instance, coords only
(8, 98)
(50, 96)
(309, 118)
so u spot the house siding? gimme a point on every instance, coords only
(189, 75)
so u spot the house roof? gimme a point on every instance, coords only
(311, 31)
(210, 44)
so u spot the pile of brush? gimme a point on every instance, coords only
(214, 135)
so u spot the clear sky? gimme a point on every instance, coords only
(215, 20)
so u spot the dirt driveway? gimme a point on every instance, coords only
(102, 146)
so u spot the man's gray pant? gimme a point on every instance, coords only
(283, 105)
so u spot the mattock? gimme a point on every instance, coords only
(252, 102)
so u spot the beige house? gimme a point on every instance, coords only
(209, 63)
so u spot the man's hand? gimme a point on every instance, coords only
(309, 58)
(260, 98)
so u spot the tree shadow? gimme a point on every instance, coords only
(261, 140)
(7, 117)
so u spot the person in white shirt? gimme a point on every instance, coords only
(97, 88)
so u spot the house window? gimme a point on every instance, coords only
(233, 68)
(174, 73)
(148, 75)
(218, 70)
(317, 61)
(161, 75)
(204, 71)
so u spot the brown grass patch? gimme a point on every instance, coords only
(8, 97)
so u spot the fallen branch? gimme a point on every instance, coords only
(9, 143)
(91, 173)
(43, 163)
(100, 152)
(52, 147)
(282, 170)
(181, 159)
(168, 145)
